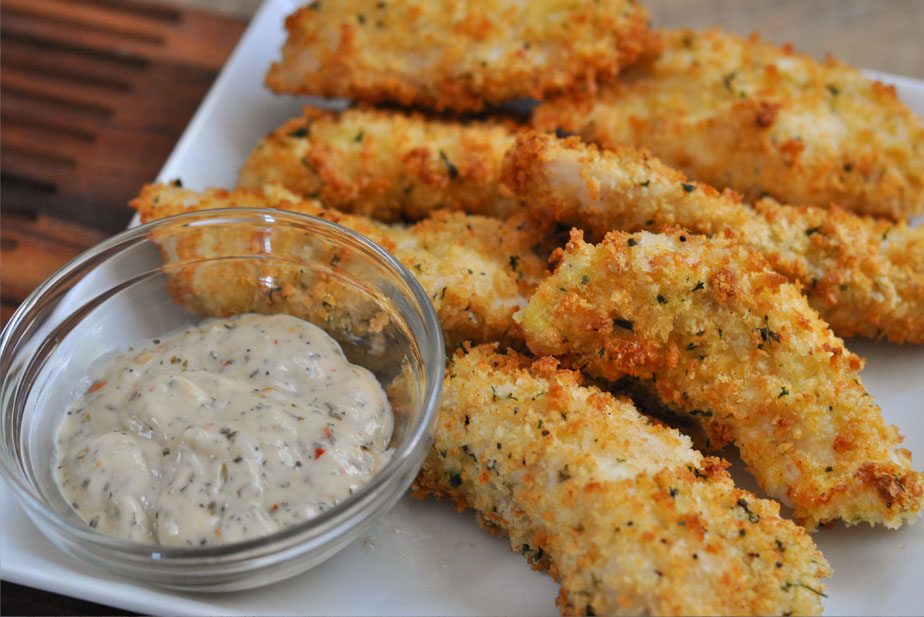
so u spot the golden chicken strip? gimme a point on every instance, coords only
(450, 55)
(386, 164)
(477, 271)
(719, 336)
(762, 120)
(864, 276)
(623, 511)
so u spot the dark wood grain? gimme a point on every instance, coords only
(95, 94)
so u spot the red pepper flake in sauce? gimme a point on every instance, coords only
(97, 386)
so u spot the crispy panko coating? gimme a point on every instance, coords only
(864, 276)
(717, 335)
(386, 164)
(477, 271)
(762, 120)
(622, 510)
(462, 56)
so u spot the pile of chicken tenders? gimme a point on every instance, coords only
(691, 217)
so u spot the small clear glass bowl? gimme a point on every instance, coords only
(157, 278)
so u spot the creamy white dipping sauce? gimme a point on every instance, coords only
(227, 431)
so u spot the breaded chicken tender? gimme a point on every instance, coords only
(451, 55)
(717, 335)
(764, 121)
(622, 510)
(386, 164)
(477, 271)
(864, 276)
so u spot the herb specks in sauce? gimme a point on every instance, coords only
(224, 432)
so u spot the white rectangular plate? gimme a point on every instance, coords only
(423, 557)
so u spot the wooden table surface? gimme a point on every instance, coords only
(95, 94)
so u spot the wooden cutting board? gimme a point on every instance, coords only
(93, 97)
